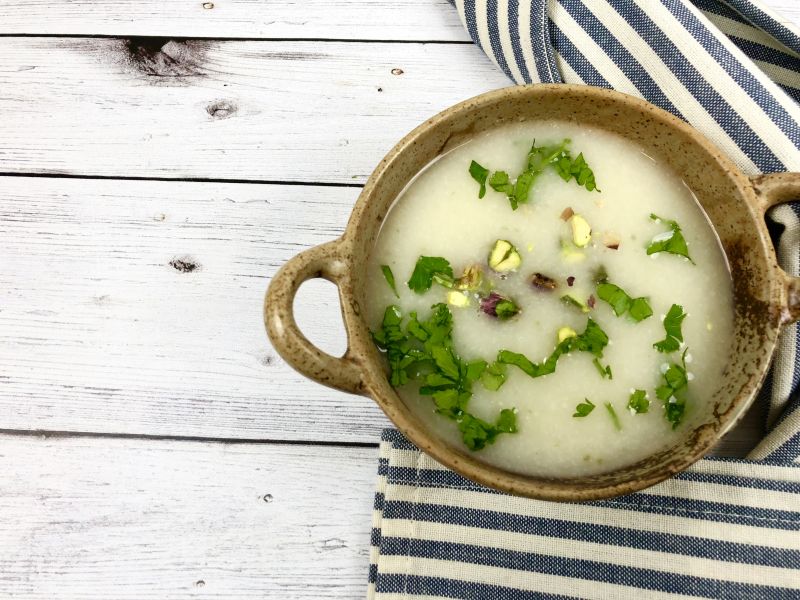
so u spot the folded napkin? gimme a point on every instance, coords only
(726, 528)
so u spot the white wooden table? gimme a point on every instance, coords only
(152, 444)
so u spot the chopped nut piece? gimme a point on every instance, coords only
(566, 333)
(471, 278)
(581, 231)
(611, 240)
(568, 212)
(572, 300)
(458, 299)
(504, 257)
(499, 306)
(543, 282)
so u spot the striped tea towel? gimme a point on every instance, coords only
(726, 528)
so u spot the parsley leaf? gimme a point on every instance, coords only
(389, 276)
(494, 376)
(638, 403)
(428, 268)
(671, 241)
(592, 340)
(539, 158)
(423, 352)
(479, 174)
(614, 418)
(569, 168)
(605, 372)
(638, 309)
(477, 433)
(673, 392)
(672, 325)
(583, 409)
(500, 182)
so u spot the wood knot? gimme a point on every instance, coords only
(184, 265)
(158, 57)
(208, 5)
(397, 71)
(221, 109)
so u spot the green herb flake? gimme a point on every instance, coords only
(426, 270)
(583, 409)
(494, 376)
(638, 403)
(671, 241)
(479, 173)
(674, 390)
(605, 372)
(423, 352)
(477, 433)
(614, 418)
(539, 158)
(569, 168)
(389, 276)
(672, 326)
(593, 340)
(638, 309)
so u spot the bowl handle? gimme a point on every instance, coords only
(324, 261)
(772, 189)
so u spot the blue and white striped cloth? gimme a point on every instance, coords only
(726, 528)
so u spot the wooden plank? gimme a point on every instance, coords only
(98, 332)
(130, 519)
(433, 20)
(285, 111)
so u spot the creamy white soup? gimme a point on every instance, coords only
(590, 325)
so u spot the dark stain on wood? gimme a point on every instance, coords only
(267, 360)
(184, 265)
(221, 109)
(164, 59)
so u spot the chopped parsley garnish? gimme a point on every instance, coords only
(423, 352)
(638, 309)
(493, 376)
(672, 325)
(479, 174)
(673, 392)
(389, 276)
(638, 403)
(426, 270)
(614, 418)
(539, 158)
(605, 372)
(583, 409)
(592, 340)
(577, 169)
(671, 241)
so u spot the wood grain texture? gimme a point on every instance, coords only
(100, 332)
(434, 20)
(111, 519)
(278, 111)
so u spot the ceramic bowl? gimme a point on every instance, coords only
(765, 297)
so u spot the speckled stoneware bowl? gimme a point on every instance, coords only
(766, 298)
